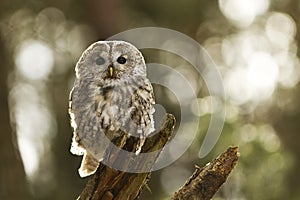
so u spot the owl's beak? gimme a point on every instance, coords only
(111, 70)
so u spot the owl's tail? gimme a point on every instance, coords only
(140, 145)
(89, 165)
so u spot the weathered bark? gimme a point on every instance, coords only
(111, 184)
(206, 181)
(108, 183)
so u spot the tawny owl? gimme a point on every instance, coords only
(111, 93)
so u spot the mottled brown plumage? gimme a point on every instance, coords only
(111, 94)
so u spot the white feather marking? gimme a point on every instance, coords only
(75, 148)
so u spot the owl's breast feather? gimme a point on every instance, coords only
(111, 107)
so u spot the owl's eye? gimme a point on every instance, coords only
(100, 61)
(121, 60)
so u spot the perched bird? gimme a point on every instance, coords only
(111, 93)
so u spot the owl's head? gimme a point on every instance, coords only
(111, 61)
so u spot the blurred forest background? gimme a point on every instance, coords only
(254, 43)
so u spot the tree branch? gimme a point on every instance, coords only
(205, 182)
(108, 183)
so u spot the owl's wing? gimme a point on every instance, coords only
(88, 137)
(142, 112)
(144, 102)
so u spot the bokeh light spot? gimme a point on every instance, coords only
(267, 136)
(280, 29)
(29, 155)
(262, 74)
(243, 12)
(34, 59)
(34, 122)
